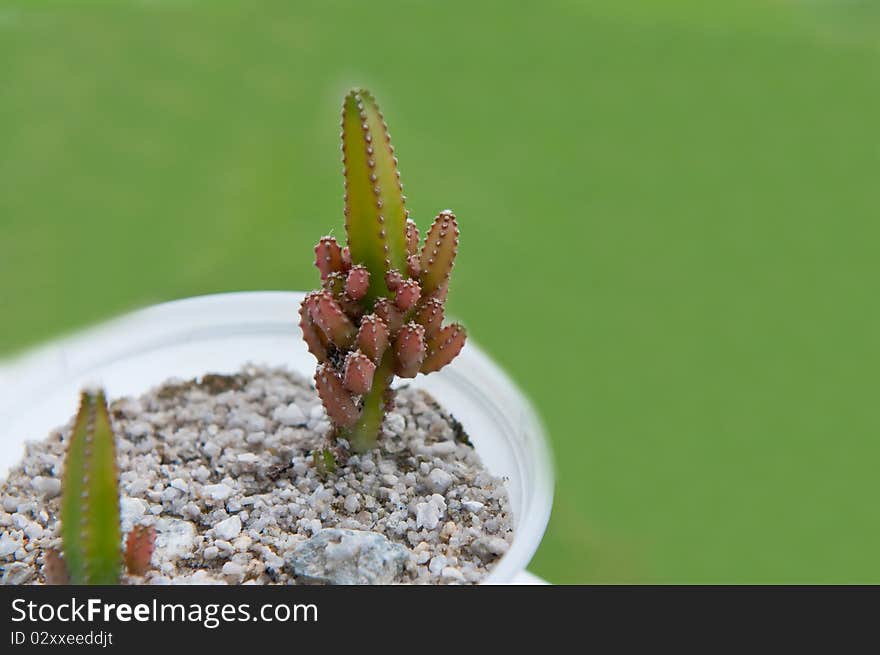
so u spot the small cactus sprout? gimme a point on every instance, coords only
(90, 524)
(380, 310)
(325, 461)
(90, 531)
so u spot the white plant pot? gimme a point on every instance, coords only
(220, 333)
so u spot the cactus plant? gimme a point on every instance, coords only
(380, 310)
(89, 501)
(90, 523)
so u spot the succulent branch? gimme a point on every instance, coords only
(380, 310)
(412, 237)
(372, 337)
(328, 315)
(409, 350)
(338, 401)
(407, 295)
(439, 251)
(430, 316)
(316, 342)
(328, 256)
(90, 523)
(358, 282)
(359, 371)
(444, 347)
(387, 310)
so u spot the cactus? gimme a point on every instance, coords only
(90, 501)
(90, 524)
(380, 310)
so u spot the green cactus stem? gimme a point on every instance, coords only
(375, 213)
(364, 434)
(90, 531)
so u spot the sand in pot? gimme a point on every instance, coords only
(222, 468)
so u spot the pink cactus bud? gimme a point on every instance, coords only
(438, 253)
(139, 546)
(346, 258)
(412, 237)
(372, 337)
(359, 370)
(409, 350)
(358, 282)
(328, 256)
(54, 569)
(388, 312)
(314, 338)
(328, 315)
(338, 402)
(444, 348)
(393, 280)
(430, 315)
(414, 266)
(408, 294)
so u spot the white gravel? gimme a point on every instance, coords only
(222, 468)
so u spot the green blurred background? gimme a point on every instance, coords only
(669, 216)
